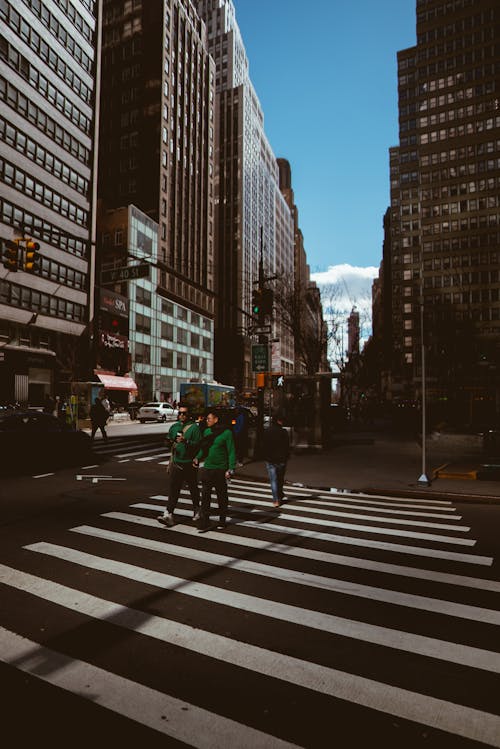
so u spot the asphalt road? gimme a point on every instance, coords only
(338, 620)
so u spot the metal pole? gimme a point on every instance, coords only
(423, 479)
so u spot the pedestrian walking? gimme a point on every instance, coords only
(98, 418)
(106, 404)
(184, 437)
(218, 456)
(275, 452)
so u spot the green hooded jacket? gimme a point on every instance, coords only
(184, 452)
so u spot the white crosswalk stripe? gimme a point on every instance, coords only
(294, 597)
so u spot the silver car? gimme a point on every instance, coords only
(157, 411)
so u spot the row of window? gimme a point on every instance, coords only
(443, 31)
(14, 215)
(29, 110)
(76, 19)
(60, 33)
(62, 274)
(42, 50)
(21, 142)
(20, 180)
(143, 296)
(470, 128)
(453, 154)
(171, 359)
(463, 170)
(448, 115)
(452, 97)
(23, 297)
(464, 224)
(462, 206)
(448, 261)
(30, 73)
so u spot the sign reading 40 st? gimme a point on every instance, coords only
(260, 357)
(125, 273)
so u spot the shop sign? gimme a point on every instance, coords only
(113, 303)
(113, 341)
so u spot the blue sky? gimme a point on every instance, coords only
(326, 75)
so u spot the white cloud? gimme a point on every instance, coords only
(352, 286)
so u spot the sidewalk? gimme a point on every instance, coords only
(381, 463)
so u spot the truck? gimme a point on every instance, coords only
(200, 396)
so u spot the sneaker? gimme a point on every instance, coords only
(203, 525)
(196, 516)
(221, 525)
(276, 504)
(166, 519)
(239, 464)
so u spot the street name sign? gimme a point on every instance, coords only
(126, 273)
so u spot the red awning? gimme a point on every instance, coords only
(113, 382)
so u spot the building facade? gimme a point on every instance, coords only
(49, 65)
(162, 343)
(157, 149)
(445, 211)
(253, 220)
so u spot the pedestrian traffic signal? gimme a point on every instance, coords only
(31, 257)
(10, 254)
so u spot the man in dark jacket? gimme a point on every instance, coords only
(98, 418)
(275, 452)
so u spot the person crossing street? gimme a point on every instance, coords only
(184, 437)
(219, 456)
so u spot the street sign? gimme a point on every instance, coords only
(260, 357)
(125, 273)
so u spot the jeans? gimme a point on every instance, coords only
(180, 474)
(213, 478)
(276, 472)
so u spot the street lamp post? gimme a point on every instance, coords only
(423, 479)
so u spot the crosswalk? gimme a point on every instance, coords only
(339, 618)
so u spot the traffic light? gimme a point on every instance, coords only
(267, 302)
(10, 254)
(31, 257)
(257, 295)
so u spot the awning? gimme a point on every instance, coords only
(113, 382)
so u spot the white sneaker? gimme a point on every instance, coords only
(167, 519)
(196, 516)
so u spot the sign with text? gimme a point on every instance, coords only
(260, 357)
(126, 273)
(113, 303)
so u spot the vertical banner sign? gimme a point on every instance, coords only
(260, 357)
(276, 356)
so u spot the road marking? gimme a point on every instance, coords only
(43, 475)
(85, 468)
(354, 505)
(26, 655)
(341, 494)
(454, 556)
(175, 718)
(354, 527)
(301, 552)
(159, 450)
(148, 457)
(334, 585)
(357, 515)
(126, 460)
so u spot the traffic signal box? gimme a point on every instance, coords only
(31, 257)
(262, 304)
(10, 254)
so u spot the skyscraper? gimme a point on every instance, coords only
(157, 146)
(250, 204)
(49, 65)
(445, 210)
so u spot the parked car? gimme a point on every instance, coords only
(157, 412)
(33, 440)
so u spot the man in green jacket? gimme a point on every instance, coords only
(219, 456)
(185, 437)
